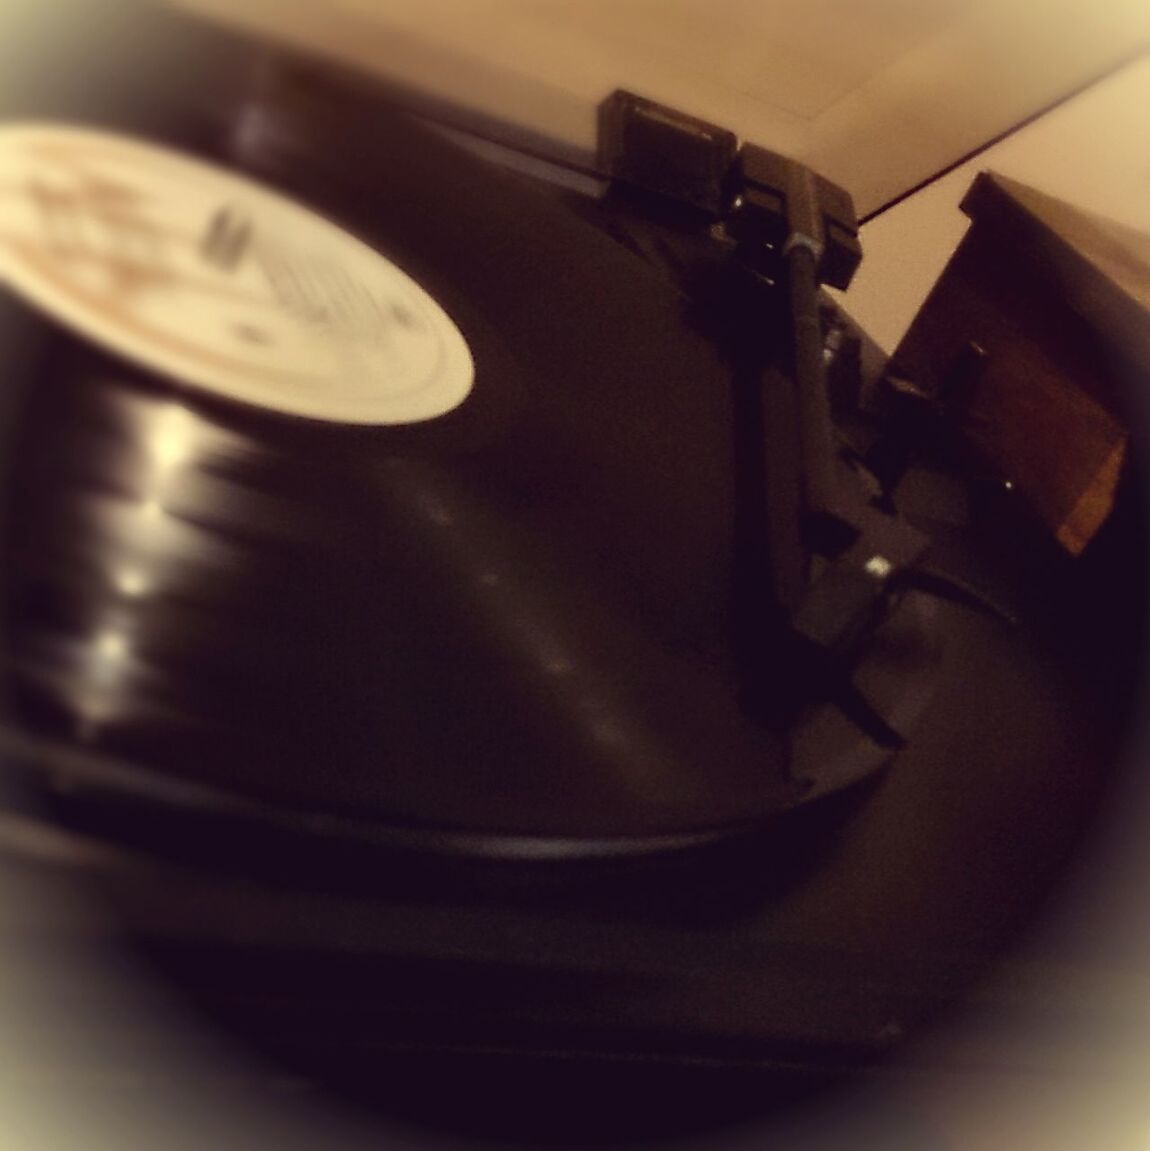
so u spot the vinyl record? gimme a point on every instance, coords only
(408, 502)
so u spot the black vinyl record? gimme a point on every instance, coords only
(510, 620)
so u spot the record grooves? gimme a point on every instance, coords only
(512, 621)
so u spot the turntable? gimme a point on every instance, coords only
(466, 629)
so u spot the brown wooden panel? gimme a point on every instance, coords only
(1060, 330)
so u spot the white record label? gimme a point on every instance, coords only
(208, 278)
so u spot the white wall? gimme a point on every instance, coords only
(1093, 152)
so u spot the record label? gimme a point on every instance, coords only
(208, 278)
